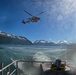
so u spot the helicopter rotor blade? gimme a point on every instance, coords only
(28, 13)
(39, 13)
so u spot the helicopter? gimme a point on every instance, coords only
(32, 19)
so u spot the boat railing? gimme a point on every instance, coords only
(16, 64)
(7, 68)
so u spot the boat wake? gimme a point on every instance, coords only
(26, 68)
(40, 56)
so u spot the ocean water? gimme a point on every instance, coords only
(36, 53)
(31, 52)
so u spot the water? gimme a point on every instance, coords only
(31, 52)
(34, 52)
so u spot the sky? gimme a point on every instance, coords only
(57, 23)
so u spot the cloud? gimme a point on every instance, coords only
(63, 12)
(64, 7)
(60, 17)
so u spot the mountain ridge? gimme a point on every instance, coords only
(44, 42)
(6, 38)
(13, 39)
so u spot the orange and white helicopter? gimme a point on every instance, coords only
(32, 19)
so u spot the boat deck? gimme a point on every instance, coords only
(23, 67)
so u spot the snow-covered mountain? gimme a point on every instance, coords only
(44, 42)
(13, 39)
(62, 42)
(40, 41)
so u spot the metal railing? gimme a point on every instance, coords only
(15, 71)
(7, 68)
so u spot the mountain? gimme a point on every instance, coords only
(13, 39)
(62, 42)
(44, 42)
(40, 42)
